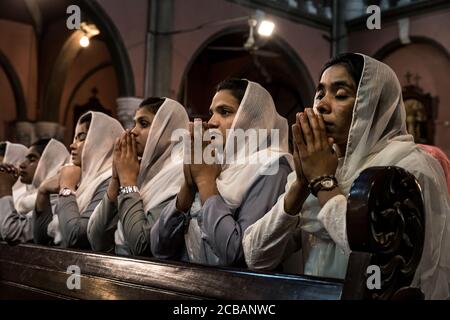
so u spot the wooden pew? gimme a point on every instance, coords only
(384, 209)
(386, 228)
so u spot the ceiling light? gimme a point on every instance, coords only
(84, 41)
(266, 28)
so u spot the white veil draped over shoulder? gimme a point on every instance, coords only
(96, 163)
(53, 157)
(15, 153)
(378, 137)
(256, 111)
(161, 173)
(97, 156)
(160, 177)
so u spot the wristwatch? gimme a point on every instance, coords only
(128, 189)
(325, 183)
(65, 192)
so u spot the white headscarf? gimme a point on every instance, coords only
(96, 163)
(159, 176)
(53, 157)
(256, 111)
(97, 155)
(378, 137)
(14, 154)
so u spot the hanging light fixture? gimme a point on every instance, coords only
(84, 41)
(266, 28)
(89, 31)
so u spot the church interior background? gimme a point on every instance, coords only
(183, 48)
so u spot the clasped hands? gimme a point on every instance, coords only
(199, 177)
(313, 152)
(8, 177)
(126, 165)
(69, 176)
(313, 157)
(200, 174)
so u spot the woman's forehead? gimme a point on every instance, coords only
(143, 112)
(224, 97)
(82, 127)
(336, 72)
(32, 151)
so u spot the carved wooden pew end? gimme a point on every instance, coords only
(386, 222)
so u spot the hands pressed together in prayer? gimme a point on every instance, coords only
(8, 177)
(313, 158)
(125, 159)
(199, 177)
(50, 185)
(125, 168)
(68, 176)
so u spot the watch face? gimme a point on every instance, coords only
(66, 192)
(327, 183)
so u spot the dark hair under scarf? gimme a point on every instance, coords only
(354, 63)
(236, 86)
(40, 145)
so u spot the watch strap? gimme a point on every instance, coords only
(65, 192)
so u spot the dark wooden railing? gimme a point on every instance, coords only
(385, 227)
(43, 271)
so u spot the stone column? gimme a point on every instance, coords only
(342, 10)
(126, 108)
(158, 64)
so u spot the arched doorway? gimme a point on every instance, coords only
(278, 69)
(56, 73)
(110, 36)
(116, 47)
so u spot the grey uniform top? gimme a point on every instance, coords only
(135, 222)
(14, 227)
(222, 227)
(72, 223)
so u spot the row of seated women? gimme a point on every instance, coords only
(132, 192)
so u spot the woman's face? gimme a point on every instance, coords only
(142, 123)
(223, 109)
(28, 167)
(76, 148)
(335, 98)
